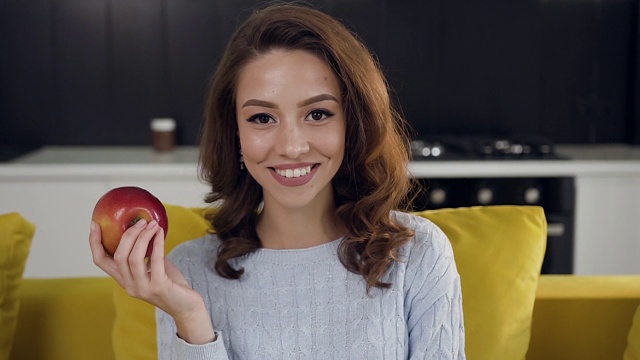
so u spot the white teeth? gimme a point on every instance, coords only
(294, 173)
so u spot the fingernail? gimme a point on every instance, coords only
(93, 226)
(141, 223)
(153, 223)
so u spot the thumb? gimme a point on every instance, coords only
(94, 231)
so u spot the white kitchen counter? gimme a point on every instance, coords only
(92, 162)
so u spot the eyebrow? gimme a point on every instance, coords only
(309, 101)
(317, 98)
(262, 103)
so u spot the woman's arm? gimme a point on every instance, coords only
(172, 347)
(437, 332)
(158, 281)
(433, 302)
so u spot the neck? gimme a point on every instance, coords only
(298, 228)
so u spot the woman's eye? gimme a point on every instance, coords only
(318, 115)
(260, 118)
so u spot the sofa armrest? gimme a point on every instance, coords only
(68, 318)
(583, 317)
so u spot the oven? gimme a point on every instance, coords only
(556, 195)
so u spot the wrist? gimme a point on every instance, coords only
(195, 327)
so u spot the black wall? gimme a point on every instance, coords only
(94, 72)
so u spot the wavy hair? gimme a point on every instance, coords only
(372, 179)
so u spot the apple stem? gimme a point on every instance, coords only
(134, 221)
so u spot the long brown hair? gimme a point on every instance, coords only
(372, 180)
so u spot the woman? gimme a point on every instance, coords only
(306, 158)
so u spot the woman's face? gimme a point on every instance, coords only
(291, 126)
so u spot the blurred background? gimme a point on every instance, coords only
(94, 72)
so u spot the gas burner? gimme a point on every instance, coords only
(473, 147)
(427, 149)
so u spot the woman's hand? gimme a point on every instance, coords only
(156, 281)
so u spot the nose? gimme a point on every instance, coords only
(291, 140)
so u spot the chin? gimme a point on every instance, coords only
(292, 199)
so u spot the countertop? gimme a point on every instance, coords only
(586, 160)
(100, 161)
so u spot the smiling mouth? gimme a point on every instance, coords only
(294, 173)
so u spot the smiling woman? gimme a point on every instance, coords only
(289, 121)
(371, 179)
(311, 256)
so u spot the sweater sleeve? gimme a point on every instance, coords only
(433, 302)
(172, 347)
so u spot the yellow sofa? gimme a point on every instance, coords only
(510, 311)
(575, 317)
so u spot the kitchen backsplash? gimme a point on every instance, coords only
(96, 72)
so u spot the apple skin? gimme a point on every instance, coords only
(121, 208)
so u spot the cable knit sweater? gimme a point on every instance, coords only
(304, 304)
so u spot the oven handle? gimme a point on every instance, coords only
(555, 229)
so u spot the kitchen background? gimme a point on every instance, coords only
(94, 72)
(494, 83)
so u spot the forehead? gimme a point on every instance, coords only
(295, 72)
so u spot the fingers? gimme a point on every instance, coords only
(145, 280)
(138, 263)
(157, 255)
(130, 238)
(140, 245)
(130, 255)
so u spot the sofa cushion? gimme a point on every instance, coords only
(15, 240)
(583, 316)
(498, 250)
(633, 340)
(65, 318)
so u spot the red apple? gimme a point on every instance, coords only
(120, 208)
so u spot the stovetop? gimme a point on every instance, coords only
(480, 147)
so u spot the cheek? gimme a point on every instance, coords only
(338, 146)
(254, 148)
(333, 143)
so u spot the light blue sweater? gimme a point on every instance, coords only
(304, 304)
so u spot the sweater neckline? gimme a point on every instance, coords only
(298, 256)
